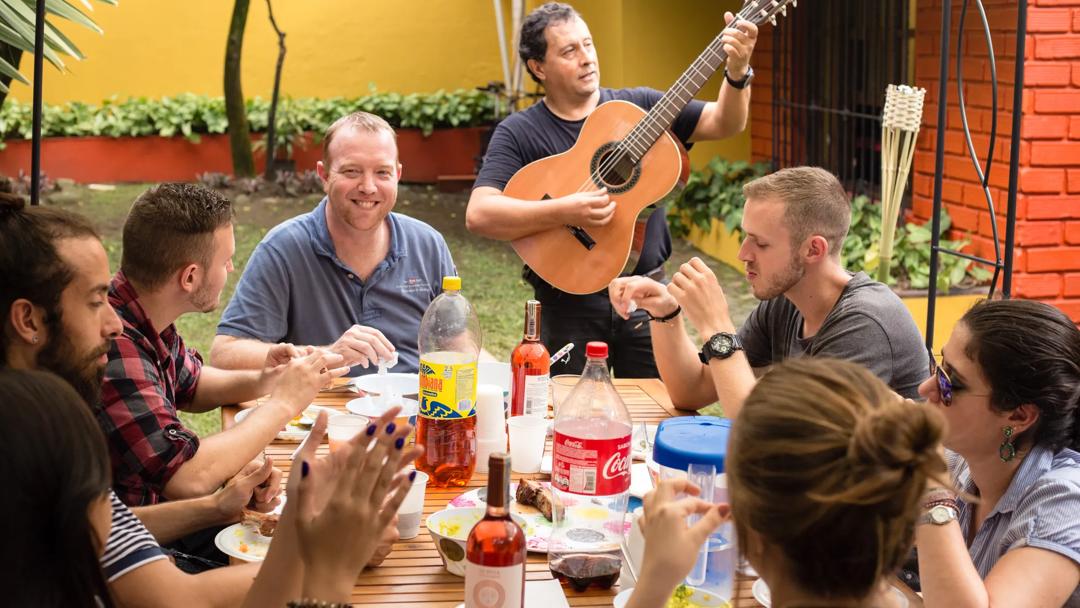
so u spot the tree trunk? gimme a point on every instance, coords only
(239, 134)
(271, 126)
(12, 55)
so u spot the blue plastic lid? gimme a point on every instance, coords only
(692, 439)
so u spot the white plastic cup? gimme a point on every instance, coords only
(527, 436)
(490, 413)
(343, 427)
(411, 510)
(486, 447)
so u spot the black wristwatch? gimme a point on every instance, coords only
(740, 84)
(720, 346)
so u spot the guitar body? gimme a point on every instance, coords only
(562, 258)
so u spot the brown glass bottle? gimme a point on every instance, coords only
(495, 552)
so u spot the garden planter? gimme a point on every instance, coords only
(724, 246)
(155, 159)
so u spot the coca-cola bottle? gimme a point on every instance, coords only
(590, 478)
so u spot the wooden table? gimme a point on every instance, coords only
(413, 574)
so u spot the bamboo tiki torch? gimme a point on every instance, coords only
(899, 129)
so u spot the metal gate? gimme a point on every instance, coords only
(831, 65)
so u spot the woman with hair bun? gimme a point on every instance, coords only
(1009, 386)
(826, 468)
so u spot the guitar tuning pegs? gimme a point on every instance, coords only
(783, 10)
(794, 3)
(772, 20)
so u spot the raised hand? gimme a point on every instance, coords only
(696, 289)
(304, 376)
(633, 293)
(739, 44)
(257, 484)
(362, 345)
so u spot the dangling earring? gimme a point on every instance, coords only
(1007, 451)
(34, 339)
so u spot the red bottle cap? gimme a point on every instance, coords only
(594, 350)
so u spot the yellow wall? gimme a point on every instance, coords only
(155, 48)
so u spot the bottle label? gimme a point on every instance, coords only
(447, 389)
(590, 466)
(492, 587)
(536, 395)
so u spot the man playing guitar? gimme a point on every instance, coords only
(558, 50)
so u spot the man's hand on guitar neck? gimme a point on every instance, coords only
(640, 293)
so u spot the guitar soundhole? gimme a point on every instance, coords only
(614, 169)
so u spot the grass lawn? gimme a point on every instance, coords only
(490, 271)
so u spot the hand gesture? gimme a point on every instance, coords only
(738, 42)
(361, 345)
(303, 377)
(640, 293)
(258, 484)
(277, 358)
(670, 544)
(349, 499)
(386, 542)
(593, 208)
(696, 289)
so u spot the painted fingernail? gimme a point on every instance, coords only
(390, 428)
(303, 469)
(400, 442)
(371, 429)
(412, 476)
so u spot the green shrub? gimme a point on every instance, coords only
(191, 115)
(716, 192)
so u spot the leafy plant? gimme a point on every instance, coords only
(191, 115)
(716, 192)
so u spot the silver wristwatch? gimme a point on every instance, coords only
(939, 515)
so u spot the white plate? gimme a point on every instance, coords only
(366, 406)
(243, 542)
(402, 384)
(761, 593)
(292, 432)
(699, 596)
(538, 527)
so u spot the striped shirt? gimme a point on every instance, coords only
(130, 544)
(1040, 509)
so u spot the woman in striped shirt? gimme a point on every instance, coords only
(1009, 386)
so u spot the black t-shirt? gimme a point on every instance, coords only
(537, 133)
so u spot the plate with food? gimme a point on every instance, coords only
(242, 541)
(761, 593)
(530, 500)
(298, 428)
(682, 597)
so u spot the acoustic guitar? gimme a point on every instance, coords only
(631, 153)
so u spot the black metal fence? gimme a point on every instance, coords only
(831, 66)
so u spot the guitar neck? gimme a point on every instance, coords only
(660, 117)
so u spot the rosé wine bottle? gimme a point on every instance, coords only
(590, 478)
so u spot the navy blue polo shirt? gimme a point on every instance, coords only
(295, 288)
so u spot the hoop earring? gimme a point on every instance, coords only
(1007, 451)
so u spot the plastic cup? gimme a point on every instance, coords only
(560, 388)
(343, 427)
(411, 510)
(527, 436)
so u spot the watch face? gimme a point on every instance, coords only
(721, 344)
(942, 514)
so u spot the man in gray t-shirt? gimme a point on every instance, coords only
(794, 224)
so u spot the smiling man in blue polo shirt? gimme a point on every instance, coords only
(350, 276)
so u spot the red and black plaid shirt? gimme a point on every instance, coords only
(148, 378)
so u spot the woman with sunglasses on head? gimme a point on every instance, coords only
(1009, 386)
(825, 470)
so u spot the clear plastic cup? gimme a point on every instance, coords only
(411, 510)
(527, 437)
(560, 388)
(343, 427)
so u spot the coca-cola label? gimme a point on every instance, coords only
(591, 466)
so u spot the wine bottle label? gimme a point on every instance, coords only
(590, 466)
(493, 587)
(536, 395)
(447, 386)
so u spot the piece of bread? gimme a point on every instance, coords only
(534, 494)
(265, 522)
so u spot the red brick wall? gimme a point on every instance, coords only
(1047, 260)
